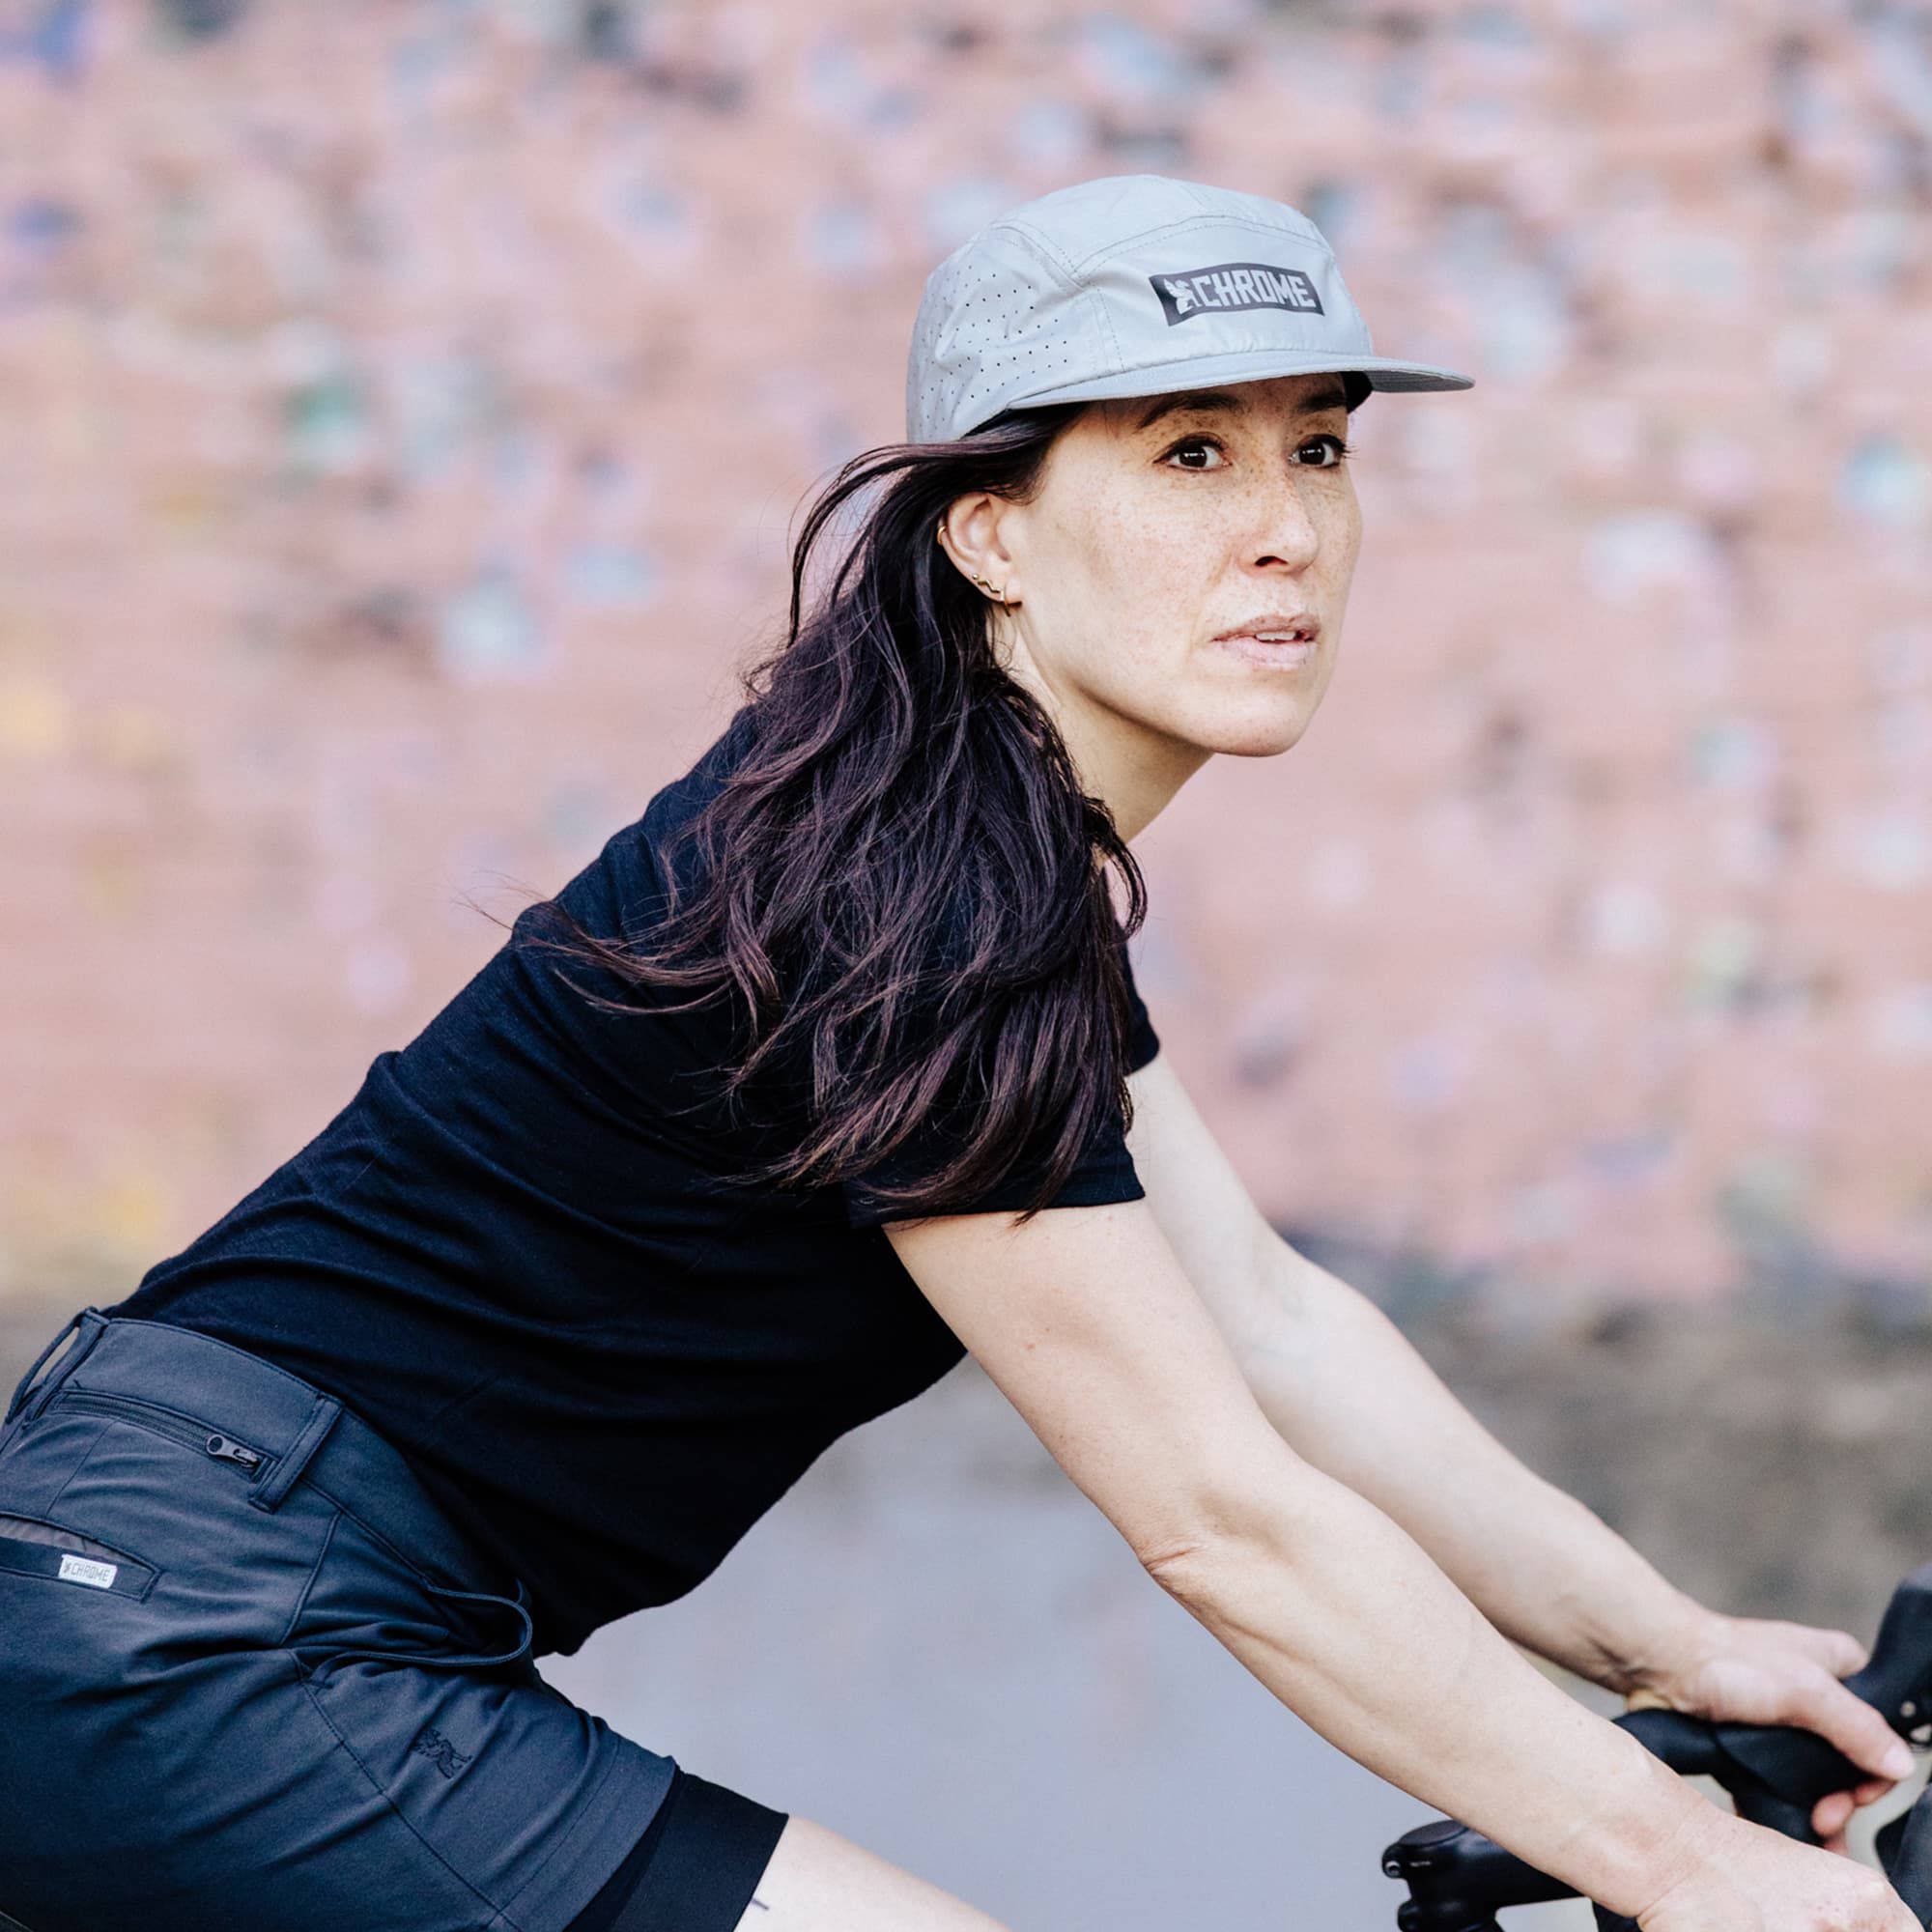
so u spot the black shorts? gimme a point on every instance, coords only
(254, 1676)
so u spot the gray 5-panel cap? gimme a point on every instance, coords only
(1133, 285)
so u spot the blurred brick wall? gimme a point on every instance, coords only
(402, 407)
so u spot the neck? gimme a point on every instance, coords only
(1131, 769)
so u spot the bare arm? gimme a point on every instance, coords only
(1343, 1384)
(1089, 1323)
(1345, 1390)
(1348, 1391)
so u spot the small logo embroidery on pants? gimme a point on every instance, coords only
(441, 1752)
(84, 1570)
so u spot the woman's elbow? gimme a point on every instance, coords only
(1224, 1529)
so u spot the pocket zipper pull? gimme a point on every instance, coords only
(232, 1452)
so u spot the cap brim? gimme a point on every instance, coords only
(1195, 372)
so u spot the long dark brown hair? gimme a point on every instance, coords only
(902, 887)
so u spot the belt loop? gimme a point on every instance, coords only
(268, 1493)
(95, 1325)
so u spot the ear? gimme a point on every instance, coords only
(972, 532)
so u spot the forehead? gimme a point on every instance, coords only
(1273, 398)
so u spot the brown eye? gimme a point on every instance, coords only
(1332, 444)
(1194, 446)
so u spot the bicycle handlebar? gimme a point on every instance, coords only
(1459, 1880)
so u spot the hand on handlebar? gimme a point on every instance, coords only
(1788, 1778)
(1745, 1670)
(1746, 1878)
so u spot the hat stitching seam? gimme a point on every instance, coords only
(1093, 296)
(1041, 245)
(1314, 239)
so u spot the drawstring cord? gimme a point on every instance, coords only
(517, 1605)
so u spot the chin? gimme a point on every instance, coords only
(1214, 725)
(1258, 731)
(1258, 715)
(1263, 744)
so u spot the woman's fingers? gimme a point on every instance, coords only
(1833, 1812)
(1830, 1816)
(1838, 1651)
(1827, 1708)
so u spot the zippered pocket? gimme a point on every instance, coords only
(185, 1430)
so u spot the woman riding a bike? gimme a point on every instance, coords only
(828, 1070)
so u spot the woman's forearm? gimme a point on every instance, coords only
(1348, 1393)
(1340, 1614)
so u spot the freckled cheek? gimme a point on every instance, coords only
(1140, 642)
(1151, 568)
(1342, 539)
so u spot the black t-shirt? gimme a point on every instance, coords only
(514, 1253)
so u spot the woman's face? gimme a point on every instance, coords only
(1172, 544)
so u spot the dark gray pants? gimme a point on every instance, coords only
(251, 1676)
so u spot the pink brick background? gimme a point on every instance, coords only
(401, 411)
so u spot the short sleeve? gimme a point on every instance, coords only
(1104, 1172)
(1143, 1042)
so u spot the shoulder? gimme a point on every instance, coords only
(681, 800)
(632, 865)
(626, 889)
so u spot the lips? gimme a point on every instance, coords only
(1276, 627)
(1280, 641)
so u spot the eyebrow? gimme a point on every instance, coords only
(1332, 398)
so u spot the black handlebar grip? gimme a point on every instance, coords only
(1758, 1805)
(1732, 1753)
(1459, 1879)
(1797, 1768)
(1775, 1773)
(1687, 1745)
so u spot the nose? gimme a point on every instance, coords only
(1286, 531)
